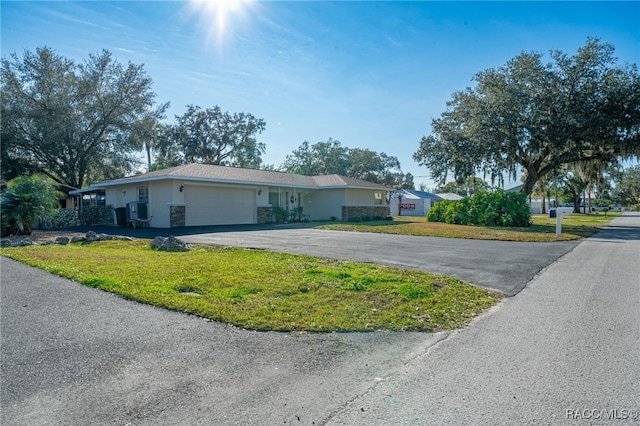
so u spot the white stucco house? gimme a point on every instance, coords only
(202, 194)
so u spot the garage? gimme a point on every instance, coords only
(207, 205)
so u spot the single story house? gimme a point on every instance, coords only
(202, 194)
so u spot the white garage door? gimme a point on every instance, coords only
(219, 206)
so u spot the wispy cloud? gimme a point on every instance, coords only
(125, 50)
(56, 15)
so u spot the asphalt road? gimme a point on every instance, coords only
(569, 341)
(565, 351)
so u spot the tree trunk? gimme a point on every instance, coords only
(529, 183)
(148, 149)
(576, 203)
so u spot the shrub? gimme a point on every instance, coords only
(279, 214)
(497, 208)
(96, 215)
(437, 212)
(459, 212)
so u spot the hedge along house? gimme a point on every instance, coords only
(202, 194)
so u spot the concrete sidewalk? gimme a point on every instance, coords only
(566, 350)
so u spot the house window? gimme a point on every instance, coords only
(96, 198)
(143, 195)
(377, 198)
(274, 199)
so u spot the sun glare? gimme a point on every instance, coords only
(217, 16)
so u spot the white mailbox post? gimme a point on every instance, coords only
(560, 213)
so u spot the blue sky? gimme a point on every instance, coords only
(369, 74)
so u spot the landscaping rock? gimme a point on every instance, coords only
(168, 244)
(48, 243)
(78, 239)
(20, 243)
(92, 236)
(5, 242)
(62, 240)
(157, 242)
(124, 238)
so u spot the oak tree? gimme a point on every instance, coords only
(534, 117)
(211, 136)
(71, 121)
(330, 157)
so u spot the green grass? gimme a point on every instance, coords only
(262, 290)
(543, 228)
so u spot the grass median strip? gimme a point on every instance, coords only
(262, 290)
(542, 229)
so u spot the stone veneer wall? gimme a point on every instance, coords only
(177, 216)
(264, 215)
(363, 211)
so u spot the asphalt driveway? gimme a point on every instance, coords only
(505, 266)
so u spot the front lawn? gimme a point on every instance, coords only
(262, 290)
(543, 228)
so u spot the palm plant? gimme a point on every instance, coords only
(25, 199)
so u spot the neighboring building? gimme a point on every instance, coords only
(409, 202)
(450, 196)
(203, 194)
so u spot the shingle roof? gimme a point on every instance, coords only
(211, 173)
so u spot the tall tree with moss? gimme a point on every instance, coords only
(72, 122)
(534, 117)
